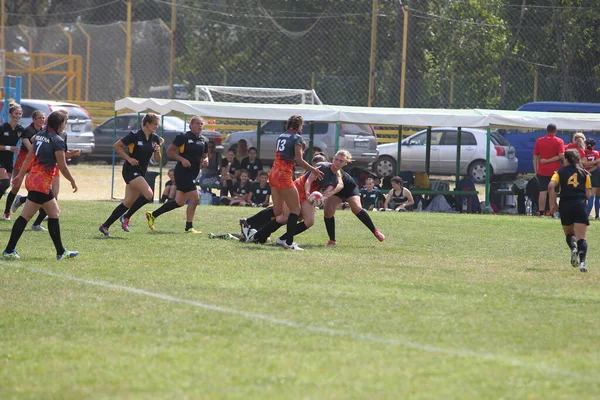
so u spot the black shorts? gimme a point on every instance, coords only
(573, 212)
(6, 162)
(543, 182)
(347, 192)
(39, 197)
(595, 178)
(184, 180)
(130, 173)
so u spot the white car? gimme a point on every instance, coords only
(443, 154)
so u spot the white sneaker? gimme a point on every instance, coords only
(582, 267)
(16, 204)
(250, 236)
(38, 228)
(280, 242)
(293, 246)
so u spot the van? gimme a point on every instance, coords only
(524, 140)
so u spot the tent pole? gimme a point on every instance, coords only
(428, 151)
(458, 147)
(399, 158)
(487, 167)
(114, 157)
(258, 137)
(338, 128)
(311, 139)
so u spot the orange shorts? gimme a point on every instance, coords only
(20, 160)
(281, 176)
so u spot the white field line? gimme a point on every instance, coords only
(319, 329)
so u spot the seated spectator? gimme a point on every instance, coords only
(399, 198)
(230, 169)
(241, 190)
(369, 196)
(209, 175)
(242, 150)
(252, 164)
(261, 191)
(170, 187)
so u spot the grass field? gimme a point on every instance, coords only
(448, 307)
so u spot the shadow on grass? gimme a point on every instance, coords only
(535, 269)
(108, 238)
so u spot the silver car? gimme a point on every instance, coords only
(359, 139)
(443, 154)
(79, 130)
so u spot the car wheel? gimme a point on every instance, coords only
(477, 171)
(385, 166)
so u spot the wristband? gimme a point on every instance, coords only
(7, 148)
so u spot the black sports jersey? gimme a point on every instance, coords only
(253, 167)
(330, 178)
(259, 194)
(286, 146)
(398, 198)
(140, 148)
(369, 199)
(192, 148)
(45, 145)
(28, 133)
(348, 181)
(240, 189)
(9, 137)
(235, 165)
(572, 182)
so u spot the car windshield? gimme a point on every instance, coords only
(75, 112)
(174, 124)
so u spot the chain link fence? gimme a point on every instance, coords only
(460, 54)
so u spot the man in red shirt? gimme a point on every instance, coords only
(548, 153)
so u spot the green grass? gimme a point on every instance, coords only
(449, 306)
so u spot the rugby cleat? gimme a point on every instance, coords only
(330, 243)
(574, 253)
(380, 236)
(67, 254)
(17, 203)
(250, 237)
(244, 227)
(13, 255)
(150, 219)
(104, 230)
(38, 228)
(582, 267)
(293, 246)
(280, 242)
(192, 231)
(124, 223)
(6, 217)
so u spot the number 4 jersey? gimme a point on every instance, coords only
(572, 183)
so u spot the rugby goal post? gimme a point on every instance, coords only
(233, 94)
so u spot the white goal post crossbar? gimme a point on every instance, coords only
(203, 92)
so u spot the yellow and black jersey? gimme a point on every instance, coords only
(140, 148)
(192, 148)
(572, 182)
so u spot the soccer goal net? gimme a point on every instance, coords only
(231, 94)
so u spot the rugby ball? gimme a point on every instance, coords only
(316, 199)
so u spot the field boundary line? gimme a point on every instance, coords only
(315, 329)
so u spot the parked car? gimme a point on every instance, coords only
(443, 154)
(359, 139)
(79, 126)
(125, 123)
(524, 140)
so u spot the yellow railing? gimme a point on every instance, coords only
(101, 111)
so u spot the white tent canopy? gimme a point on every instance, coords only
(474, 118)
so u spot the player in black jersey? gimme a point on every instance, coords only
(261, 191)
(575, 189)
(190, 150)
(350, 194)
(48, 156)
(140, 145)
(10, 133)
